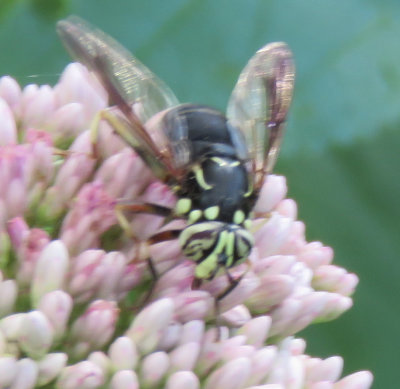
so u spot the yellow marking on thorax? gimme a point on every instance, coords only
(194, 216)
(198, 172)
(238, 216)
(183, 206)
(211, 213)
(250, 189)
(223, 162)
(247, 224)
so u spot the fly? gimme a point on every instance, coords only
(215, 163)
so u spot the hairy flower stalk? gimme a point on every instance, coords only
(74, 305)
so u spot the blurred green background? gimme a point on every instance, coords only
(341, 151)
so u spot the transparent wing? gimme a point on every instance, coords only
(134, 81)
(128, 83)
(260, 102)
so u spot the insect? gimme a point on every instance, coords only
(215, 163)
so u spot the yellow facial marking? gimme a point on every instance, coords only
(211, 213)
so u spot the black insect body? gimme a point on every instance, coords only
(216, 194)
(214, 163)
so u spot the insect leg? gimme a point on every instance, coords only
(264, 215)
(162, 236)
(148, 208)
(154, 159)
(233, 282)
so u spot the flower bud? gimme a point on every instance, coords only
(183, 380)
(295, 240)
(236, 316)
(27, 373)
(68, 121)
(271, 235)
(272, 192)
(124, 379)
(37, 105)
(100, 359)
(334, 279)
(10, 92)
(10, 326)
(8, 293)
(8, 128)
(171, 336)
(256, 330)
(262, 362)
(359, 380)
(83, 375)
(50, 367)
(322, 385)
(57, 306)
(123, 354)
(146, 329)
(323, 370)
(50, 270)
(240, 293)
(124, 175)
(77, 85)
(334, 307)
(287, 208)
(28, 244)
(75, 170)
(94, 328)
(154, 367)
(272, 291)
(314, 254)
(35, 334)
(8, 371)
(184, 357)
(91, 215)
(232, 375)
(192, 305)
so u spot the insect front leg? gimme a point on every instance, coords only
(122, 210)
(233, 282)
(133, 133)
(160, 237)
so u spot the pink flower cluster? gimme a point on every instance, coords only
(73, 282)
